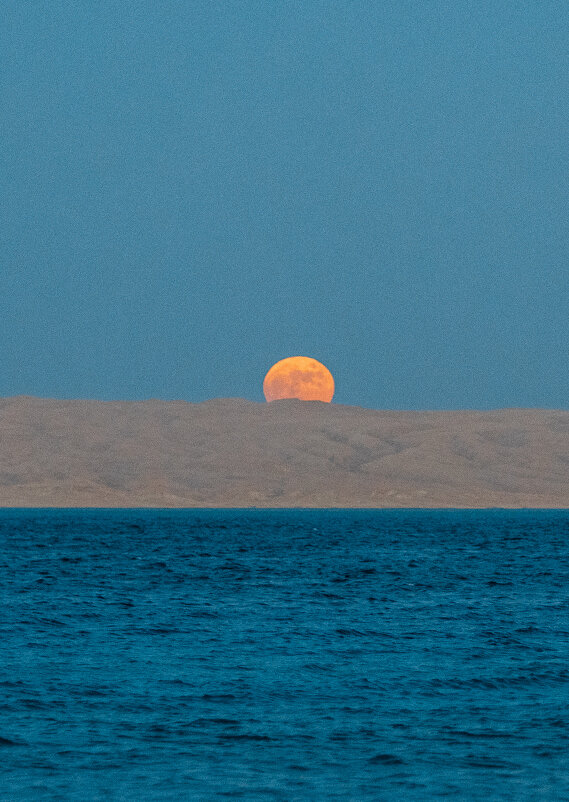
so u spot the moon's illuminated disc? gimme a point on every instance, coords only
(299, 377)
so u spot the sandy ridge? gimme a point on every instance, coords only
(236, 453)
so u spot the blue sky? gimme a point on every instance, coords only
(192, 191)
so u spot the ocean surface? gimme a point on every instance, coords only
(284, 655)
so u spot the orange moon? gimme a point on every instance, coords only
(299, 377)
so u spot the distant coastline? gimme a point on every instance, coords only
(237, 453)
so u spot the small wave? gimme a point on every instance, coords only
(487, 762)
(245, 736)
(9, 742)
(386, 759)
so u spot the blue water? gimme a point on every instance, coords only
(284, 655)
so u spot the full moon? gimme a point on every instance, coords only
(299, 377)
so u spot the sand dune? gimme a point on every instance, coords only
(231, 452)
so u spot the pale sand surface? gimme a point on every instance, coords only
(236, 453)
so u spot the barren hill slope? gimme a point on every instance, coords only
(231, 452)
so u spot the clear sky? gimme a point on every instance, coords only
(194, 190)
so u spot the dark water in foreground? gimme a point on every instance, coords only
(284, 655)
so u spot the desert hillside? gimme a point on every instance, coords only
(236, 453)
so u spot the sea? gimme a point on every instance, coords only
(284, 655)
